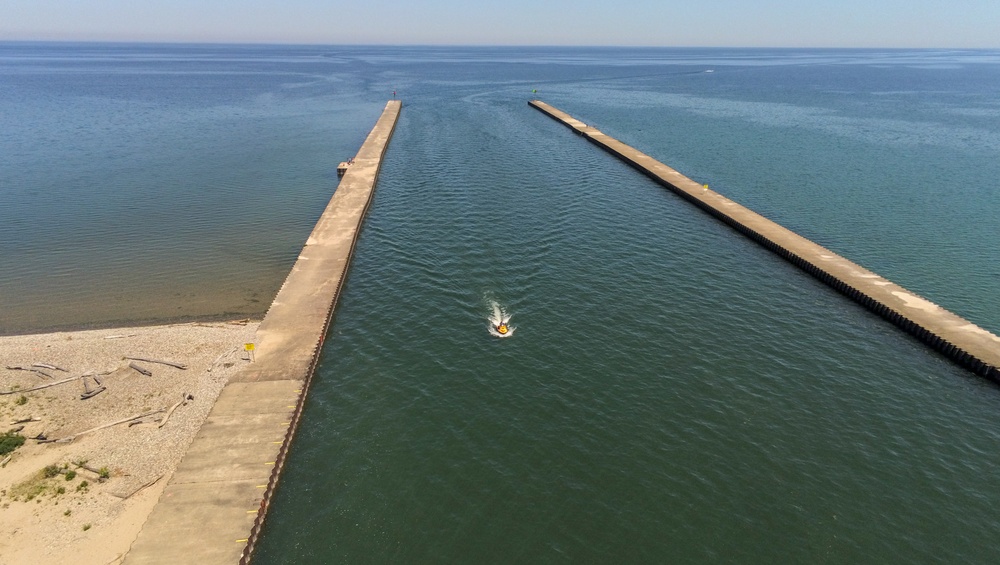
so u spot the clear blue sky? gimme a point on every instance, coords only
(743, 23)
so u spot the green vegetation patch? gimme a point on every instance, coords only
(9, 441)
(49, 480)
(31, 488)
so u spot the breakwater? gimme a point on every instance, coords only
(963, 342)
(214, 506)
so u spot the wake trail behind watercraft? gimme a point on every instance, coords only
(500, 319)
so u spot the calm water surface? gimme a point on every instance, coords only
(672, 393)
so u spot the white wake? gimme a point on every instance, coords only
(499, 316)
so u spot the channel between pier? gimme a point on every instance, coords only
(214, 506)
(965, 343)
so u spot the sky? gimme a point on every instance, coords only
(667, 23)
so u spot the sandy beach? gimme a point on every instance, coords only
(82, 491)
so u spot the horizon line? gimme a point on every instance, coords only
(481, 45)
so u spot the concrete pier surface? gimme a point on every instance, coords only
(213, 508)
(965, 343)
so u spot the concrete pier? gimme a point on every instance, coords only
(213, 508)
(965, 343)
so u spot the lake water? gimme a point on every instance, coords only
(671, 393)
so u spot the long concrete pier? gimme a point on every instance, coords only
(965, 343)
(213, 508)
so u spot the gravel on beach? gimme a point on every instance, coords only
(52, 520)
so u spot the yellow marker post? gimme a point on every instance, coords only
(249, 347)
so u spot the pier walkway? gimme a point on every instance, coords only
(965, 343)
(213, 508)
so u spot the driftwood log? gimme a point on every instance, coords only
(26, 420)
(83, 465)
(90, 393)
(220, 357)
(138, 490)
(68, 439)
(183, 400)
(64, 381)
(159, 361)
(141, 370)
(93, 393)
(101, 475)
(31, 368)
(48, 366)
(5, 392)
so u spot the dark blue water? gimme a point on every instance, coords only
(672, 392)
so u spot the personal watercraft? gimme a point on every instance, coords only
(499, 322)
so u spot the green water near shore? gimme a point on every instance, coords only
(674, 393)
